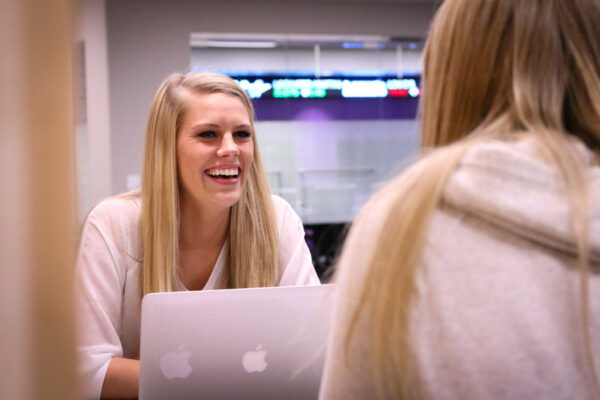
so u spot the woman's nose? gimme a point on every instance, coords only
(228, 147)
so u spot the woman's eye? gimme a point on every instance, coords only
(207, 134)
(243, 134)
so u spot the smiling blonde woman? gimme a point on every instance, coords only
(476, 273)
(204, 219)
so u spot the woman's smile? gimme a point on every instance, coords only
(224, 174)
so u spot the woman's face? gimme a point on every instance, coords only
(214, 151)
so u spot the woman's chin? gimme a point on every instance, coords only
(219, 200)
(227, 200)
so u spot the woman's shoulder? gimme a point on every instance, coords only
(283, 210)
(124, 208)
(110, 234)
(279, 203)
(289, 223)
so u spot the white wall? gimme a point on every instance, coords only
(93, 125)
(147, 40)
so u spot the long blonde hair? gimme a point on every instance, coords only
(252, 252)
(493, 70)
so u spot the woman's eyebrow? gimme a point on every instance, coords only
(213, 125)
(204, 125)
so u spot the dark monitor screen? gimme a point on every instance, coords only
(332, 98)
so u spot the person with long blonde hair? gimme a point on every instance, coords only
(203, 219)
(475, 274)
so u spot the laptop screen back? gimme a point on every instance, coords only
(254, 343)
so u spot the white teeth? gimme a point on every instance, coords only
(223, 172)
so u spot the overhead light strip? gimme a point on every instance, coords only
(265, 40)
(240, 44)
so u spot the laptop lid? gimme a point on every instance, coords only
(259, 343)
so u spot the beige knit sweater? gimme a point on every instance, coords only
(497, 314)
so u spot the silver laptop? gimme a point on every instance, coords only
(261, 343)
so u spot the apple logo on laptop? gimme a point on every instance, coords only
(254, 360)
(176, 364)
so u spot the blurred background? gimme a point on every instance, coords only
(335, 84)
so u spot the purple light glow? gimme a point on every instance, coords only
(313, 114)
